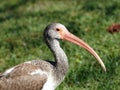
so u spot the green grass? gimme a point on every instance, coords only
(22, 23)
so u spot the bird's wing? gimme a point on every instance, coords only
(26, 76)
(26, 82)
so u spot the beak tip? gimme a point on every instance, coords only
(104, 68)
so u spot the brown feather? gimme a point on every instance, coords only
(25, 82)
(21, 79)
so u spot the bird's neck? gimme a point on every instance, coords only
(61, 61)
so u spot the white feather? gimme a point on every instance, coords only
(38, 72)
(8, 71)
(28, 62)
(50, 84)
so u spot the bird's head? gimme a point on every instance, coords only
(55, 31)
(59, 31)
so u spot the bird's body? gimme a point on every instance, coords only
(32, 75)
(42, 74)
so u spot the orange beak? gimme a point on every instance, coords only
(72, 38)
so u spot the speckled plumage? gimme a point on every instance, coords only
(20, 79)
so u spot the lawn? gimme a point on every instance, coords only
(22, 23)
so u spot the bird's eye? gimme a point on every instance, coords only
(57, 29)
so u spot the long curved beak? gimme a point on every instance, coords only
(72, 38)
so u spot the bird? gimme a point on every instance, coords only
(45, 74)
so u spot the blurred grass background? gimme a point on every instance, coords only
(22, 23)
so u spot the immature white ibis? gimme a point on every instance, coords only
(41, 74)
